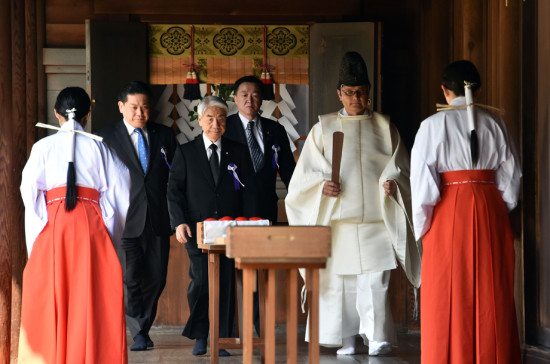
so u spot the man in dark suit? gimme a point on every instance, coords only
(146, 148)
(203, 186)
(268, 150)
(274, 155)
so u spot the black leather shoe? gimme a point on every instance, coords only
(200, 347)
(149, 342)
(140, 343)
(223, 352)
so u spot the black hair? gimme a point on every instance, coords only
(135, 88)
(72, 98)
(248, 79)
(456, 73)
(453, 78)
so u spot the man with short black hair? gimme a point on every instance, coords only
(147, 150)
(267, 142)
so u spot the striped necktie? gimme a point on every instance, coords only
(255, 150)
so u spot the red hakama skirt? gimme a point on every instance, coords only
(73, 303)
(467, 302)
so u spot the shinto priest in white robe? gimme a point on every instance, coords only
(371, 232)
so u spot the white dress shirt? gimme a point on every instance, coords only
(134, 134)
(207, 143)
(256, 130)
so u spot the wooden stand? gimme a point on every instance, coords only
(217, 343)
(272, 248)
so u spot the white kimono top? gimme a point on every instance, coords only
(369, 229)
(96, 167)
(442, 144)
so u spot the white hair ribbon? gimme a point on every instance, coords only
(470, 105)
(71, 113)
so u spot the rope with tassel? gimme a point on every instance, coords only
(267, 80)
(191, 88)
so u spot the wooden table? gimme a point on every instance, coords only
(217, 343)
(273, 248)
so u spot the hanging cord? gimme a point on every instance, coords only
(474, 142)
(267, 80)
(474, 146)
(71, 172)
(191, 88)
(70, 198)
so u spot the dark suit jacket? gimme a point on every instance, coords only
(192, 194)
(273, 134)
(148, 190)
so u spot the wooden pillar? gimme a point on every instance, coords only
(470, 35)
(5, 120)
(17, 18)
(23, 136)
(436, 24)
(31, 66)
(18, 156)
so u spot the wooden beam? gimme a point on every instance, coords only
(228, 8)
(5, 121)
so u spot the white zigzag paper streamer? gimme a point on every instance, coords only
(283, 92)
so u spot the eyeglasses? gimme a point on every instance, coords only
(351, 93)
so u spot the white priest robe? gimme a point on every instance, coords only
(370, 231)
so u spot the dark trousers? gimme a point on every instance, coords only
(197, 326)
(144, 261)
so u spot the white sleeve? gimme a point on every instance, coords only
(425, 180)
(304, 198)
(115, 198)
(508, 173)
(33, 193)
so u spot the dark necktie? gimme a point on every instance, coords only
(143, 150)
(214, 162)
(255, 150)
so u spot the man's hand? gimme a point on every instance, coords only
(389, 187)
(331, 189)
(181, 232)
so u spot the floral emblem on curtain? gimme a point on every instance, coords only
(203, 40)
(228, 41)
(175, 40)
(254, 42)
(281, 41)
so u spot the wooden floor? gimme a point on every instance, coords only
(172, 348)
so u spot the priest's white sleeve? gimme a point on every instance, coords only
(396, 211)
(304, 202)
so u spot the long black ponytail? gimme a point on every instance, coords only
(72, 103)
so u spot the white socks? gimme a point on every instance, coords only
(348, 347)
(379, 348)
(375, 347)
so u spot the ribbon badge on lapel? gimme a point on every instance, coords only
(232, 168)
(165, 157)
(275, 161)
